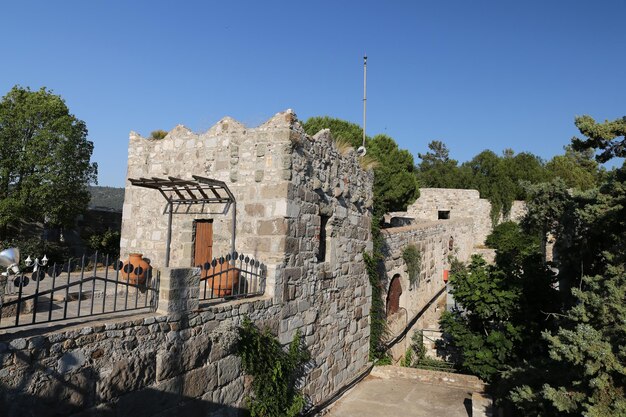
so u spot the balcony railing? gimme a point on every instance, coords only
(88, 286)
(232, 276)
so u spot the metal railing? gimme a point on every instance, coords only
(88, 286)
(233, 276)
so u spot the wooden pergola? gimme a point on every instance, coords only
(184, 197)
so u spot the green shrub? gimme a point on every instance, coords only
(413, 260)
(276, 373)
(158, 134)
(107, 243)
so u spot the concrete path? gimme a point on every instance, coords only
(402, 392)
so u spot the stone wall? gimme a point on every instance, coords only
(147, 365)
(437, 241)
(459, 204)
(287, 185)
(462, 204)
(180, 360)
(518, 211)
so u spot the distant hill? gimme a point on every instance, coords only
(106, 198)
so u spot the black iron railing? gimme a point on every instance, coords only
(87, 286)
(233, 276)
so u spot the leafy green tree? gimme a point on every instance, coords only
(45, 163)
(341, 130)
(513, 246)
(608, 138)
(395, 183)
(577, 169)
(437, 170)
(107, 243)
(481, 328)
(489, 177)
(584, 371)
(523, 167)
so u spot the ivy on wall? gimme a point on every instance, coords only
(413, 259)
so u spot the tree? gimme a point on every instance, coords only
(45, 163)
(395, 183)
(584, 371)
(341, 130)
(577, 169)
(481, 329)
(489, 177)
(513, 246)
(523, 167)
(437, 170)
(607, 137)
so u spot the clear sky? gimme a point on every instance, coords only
(474, 74)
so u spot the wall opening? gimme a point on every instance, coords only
(443, 214)
(323, 236)
(393, 296)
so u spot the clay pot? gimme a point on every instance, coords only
(222, 279)
(135, 269)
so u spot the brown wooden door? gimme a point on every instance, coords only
(203, 250)
(393, 298)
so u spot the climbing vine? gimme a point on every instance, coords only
(276, 373)
(378, 322)
(413, 260)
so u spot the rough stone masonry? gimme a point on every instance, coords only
(303, 209)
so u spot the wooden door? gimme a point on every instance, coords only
(203, 248)
(393, 298)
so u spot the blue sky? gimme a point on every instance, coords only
(476, 75)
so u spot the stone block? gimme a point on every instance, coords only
(131, 374)
(272, 227)
(150, 401)
(199, 381)
(228, 369)
(59, 396)
(255, 209)
(71, 361)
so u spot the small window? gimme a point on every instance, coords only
(443, 214)
(321, 255)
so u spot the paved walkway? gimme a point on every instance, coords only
(398, 392)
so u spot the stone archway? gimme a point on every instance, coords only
(393, 295)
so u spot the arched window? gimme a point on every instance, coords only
(393, 297)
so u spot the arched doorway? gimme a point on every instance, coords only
(393, 296)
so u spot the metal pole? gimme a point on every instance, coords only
(168, 241)
(234, 228)
(364, 94)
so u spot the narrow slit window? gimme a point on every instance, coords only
(321, 255)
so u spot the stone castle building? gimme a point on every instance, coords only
(302, 208)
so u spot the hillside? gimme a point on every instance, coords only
(106, 198)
